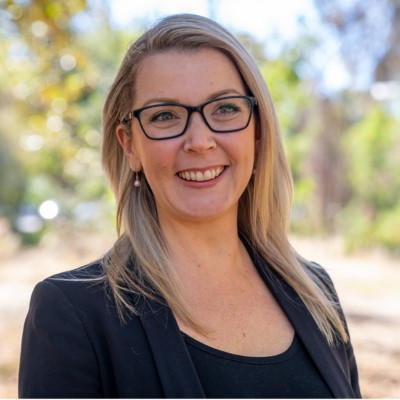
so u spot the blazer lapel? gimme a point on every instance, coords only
(306, 328)
(177, 373)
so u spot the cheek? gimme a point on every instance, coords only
(157, 161)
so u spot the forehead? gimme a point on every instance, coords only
(186, 75)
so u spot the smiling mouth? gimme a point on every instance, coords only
(201, 176)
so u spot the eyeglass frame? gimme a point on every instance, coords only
(191, 109)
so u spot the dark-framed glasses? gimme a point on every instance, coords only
(222, 115)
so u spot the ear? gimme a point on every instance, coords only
(126, 142)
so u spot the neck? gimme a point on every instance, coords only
(203, 249)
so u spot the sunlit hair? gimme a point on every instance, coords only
(264, 208)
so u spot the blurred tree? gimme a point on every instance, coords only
(369, 35)
(57, 59)
(327, 164)
(372, 146)
(12, 180)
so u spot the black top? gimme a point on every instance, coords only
(291, 374)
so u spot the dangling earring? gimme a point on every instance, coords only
(254, 171)
(136, 183)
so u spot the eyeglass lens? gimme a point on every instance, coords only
(221, 115)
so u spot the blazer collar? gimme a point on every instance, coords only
(177, 373)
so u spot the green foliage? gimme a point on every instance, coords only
(12, 181)
(291, 96)
(372, 147)
(387, 229)
(55, 81)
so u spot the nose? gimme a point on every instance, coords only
(198, 136)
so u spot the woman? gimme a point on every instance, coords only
(202, 294)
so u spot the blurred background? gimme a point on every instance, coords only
(333, 69)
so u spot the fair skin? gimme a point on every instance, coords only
(199, 218)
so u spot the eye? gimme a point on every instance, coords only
(226, 108)
(163, 116)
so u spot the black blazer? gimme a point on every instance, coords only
(74, 344)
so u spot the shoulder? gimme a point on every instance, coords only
(83, 292)
(319, 275)
(86, 279)
(72, 293)
(85, 289)
(81, 298)
(315, 269)
(92, 270)
(71, 332)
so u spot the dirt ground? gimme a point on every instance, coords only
(368, 285)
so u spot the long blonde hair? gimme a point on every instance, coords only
(264, 208)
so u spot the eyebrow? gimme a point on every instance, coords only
(215, 95)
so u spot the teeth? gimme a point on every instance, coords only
(199, 176)
(208, 175)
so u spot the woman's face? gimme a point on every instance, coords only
(200, 175)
